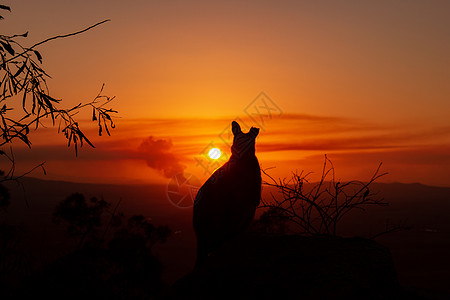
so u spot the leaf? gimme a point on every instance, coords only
(34, 103)
(94, 117)
(24, 99)
(25, 139)
(366, 194)
(8, 47)
(75, 144)
(107, 130)
(51, 99)
(38, 55)
(82, 136)
(20, 69)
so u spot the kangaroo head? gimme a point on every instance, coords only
(243, 143)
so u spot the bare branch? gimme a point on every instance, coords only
(319, 210)
(54, 38)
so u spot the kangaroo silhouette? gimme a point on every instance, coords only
(225, 205)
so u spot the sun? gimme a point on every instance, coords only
(214, 153)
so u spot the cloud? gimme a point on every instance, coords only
(138, 146)
(434, 155)
(158, 155)
(424, 164)
(358, 137)
(327, 145)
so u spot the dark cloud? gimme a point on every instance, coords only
(158, 155)
(433, 155)
(324, 145)
(368, 140)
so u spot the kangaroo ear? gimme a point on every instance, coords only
(235, 128)
(254, 131)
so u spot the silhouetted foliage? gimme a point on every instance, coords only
(273, 221)
(23, 83)
(83, 218)
(318, 208)
(4, 7)
(113, 257)
(118, 266)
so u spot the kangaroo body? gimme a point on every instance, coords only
(225, 205)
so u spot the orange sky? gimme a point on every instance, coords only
(362, 82)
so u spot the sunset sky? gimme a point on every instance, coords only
(361, 81)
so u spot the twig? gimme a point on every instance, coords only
(56, 37)
(319, 210)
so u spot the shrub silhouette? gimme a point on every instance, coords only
(119, 267)
(83, 218)
(318, 208)
(225, 205)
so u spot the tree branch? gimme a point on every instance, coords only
(56, 37)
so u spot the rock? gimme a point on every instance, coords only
(256, 266)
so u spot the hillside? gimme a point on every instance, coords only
(260, 266)
(420, 255)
